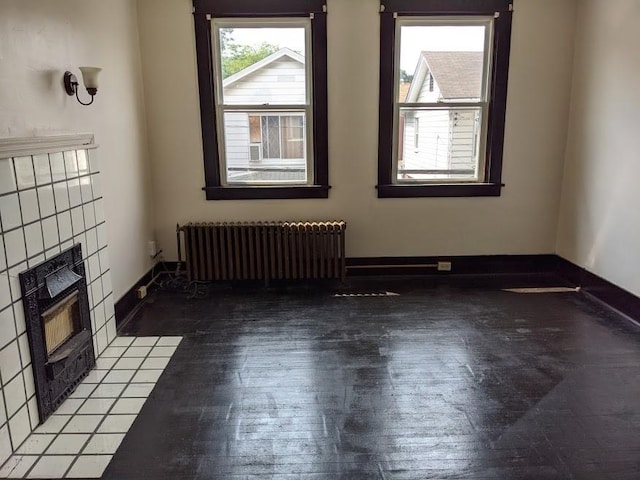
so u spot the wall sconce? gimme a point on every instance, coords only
(90, 78)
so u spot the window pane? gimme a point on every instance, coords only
(441, 63)
(438, 144)
(265, 147)
(263, 66)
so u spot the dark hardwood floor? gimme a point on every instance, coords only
(447, 380)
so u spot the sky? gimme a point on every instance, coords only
(414, 39)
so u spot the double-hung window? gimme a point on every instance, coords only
(262, 76)
(443, 85)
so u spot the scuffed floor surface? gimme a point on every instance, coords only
(451, 381)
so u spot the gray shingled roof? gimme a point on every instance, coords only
(458, 74)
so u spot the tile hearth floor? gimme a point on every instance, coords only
(81, 437)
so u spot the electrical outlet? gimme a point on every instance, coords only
(152, 247)
(142, 292)
(444, 266)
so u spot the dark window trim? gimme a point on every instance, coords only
(497, 99)
(203, 11)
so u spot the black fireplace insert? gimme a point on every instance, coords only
(56, 307)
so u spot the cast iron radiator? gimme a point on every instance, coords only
(263, 250)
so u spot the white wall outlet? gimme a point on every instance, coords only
(152, 247)
(444, 266)
(142, 292)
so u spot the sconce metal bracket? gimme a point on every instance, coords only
(70, 83)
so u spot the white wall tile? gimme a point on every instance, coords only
(7, 177)
(92, 241)
(57, 166)
(50, 232)
(33, 236)
(85, 189)
(71, 164)
(15, 247)
(46, 201)
(19, 427)
(33, 261)
(29, 206)
(5, 444)
(98, 205)
(94, 161)
(18, 314)
(106, 284)
(42, 169)
(10, 361)
(77, 220)
(5, 290)
(82, 240)
(61, 195)
(14, 396)
(34, 416)
(29, 381)
(66, 245)
(96, 185)
(111, 329)
(108, 306)
(100, 319)
(102, 236)
(104, 260)
(102, 340)
(83, 162)
(25, 352)
(94, 267)
(10, 212)
(89, 216)
(96, 291)
(3, 413)
(52, 253)
(24, 172)
(64, 226)
(7, 326)
(3, 259)
(14, 281)
(75, 198)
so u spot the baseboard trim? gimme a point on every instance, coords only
(601, 290)
(460, 265)
(129, 303)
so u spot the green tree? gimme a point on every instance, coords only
(405, 77)
(238, 57)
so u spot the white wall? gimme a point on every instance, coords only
(522, 221)
(599, 226)
(39, 40)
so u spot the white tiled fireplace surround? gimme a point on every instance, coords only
(50, 199)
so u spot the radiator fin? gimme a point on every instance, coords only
(264, 250)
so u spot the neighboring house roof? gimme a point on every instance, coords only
(457, 74)
(403, 90)
(245, 72)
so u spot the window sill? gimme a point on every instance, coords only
(263, 193)
(440, 190)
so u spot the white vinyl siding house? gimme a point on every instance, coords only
(273, 139)
(445, 139)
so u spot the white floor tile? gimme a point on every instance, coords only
(128, 406)
(83, 424)
(132, 363)
(169, 341)
(145, 341)
(108, 390)
(17, 466)
(147, 376)
(117, 423)
(155, 363)
(142, 390)
(89, 466)
(122, 341)
(83, 390)
(69, 406)
(104, 443)
(68, 444)
(136, 351)
(51, 466)
(95, 376)
(36, 444)
(119, 376)
(53, 424)
(113, 351)
(95, 406)
(162, 351)
(105, 363)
